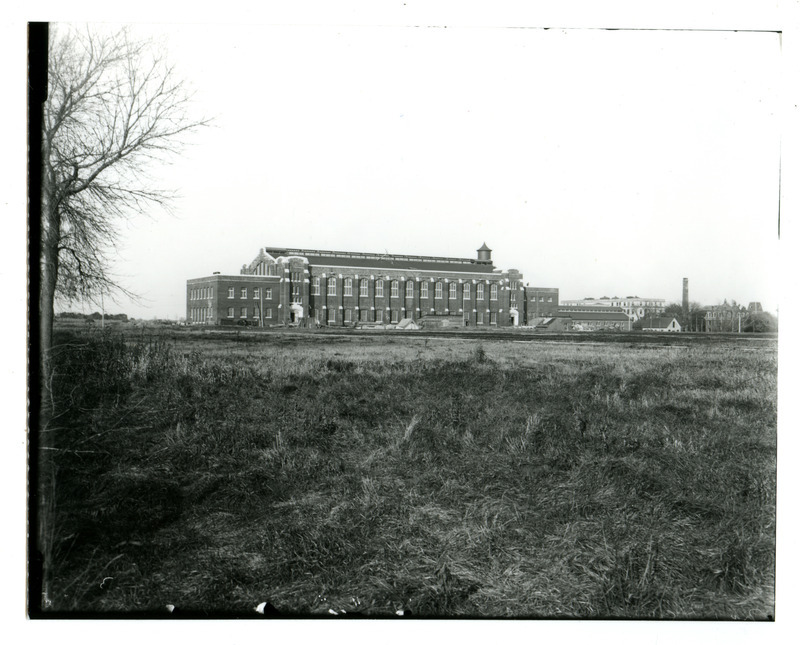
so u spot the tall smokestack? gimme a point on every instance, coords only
(686, 299)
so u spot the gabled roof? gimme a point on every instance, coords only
(581, 311)
(585, 314)
(661, 322)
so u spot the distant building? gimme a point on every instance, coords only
(660, 323)
(634, 306)
(336, 288)
(725, 317)
(587, 318)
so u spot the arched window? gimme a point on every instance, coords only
(438, 292)
(395, 289)
(348, 286)
(479, 292)
(493, 292)
(331, 286)
(379, 288)
(364, 287)
(409, 289)
(453, 289)
(466, 291)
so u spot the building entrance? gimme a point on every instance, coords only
(296, 312)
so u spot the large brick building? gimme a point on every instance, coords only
(335, 288)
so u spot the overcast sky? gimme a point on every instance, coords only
(604, 163)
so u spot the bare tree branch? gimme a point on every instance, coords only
(114, 107)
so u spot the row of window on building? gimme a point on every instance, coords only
(265, 269)
(628, 303)
(256, 293)
(390, 316)
(197, 314)
(394, 289)
(205, 314)
(206, 293)
(202, 293)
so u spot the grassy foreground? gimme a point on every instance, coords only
(443, 476)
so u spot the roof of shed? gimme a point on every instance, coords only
(661, 322)
(594, 315)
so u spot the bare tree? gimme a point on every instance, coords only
(114, 106)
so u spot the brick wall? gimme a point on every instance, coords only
(540, 302)
(209, 300)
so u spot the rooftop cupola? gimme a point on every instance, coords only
(485, 253)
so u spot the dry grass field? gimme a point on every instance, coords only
(442, 476)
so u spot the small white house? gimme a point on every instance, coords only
(662, 323)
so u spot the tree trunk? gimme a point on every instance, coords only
(41, 293)
(48, 276)
(47, 290)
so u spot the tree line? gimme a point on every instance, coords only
(93, 316)
(758, 322)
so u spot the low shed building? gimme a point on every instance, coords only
(594, 319)
(662, 323)
(438, 322)
(407, 323)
